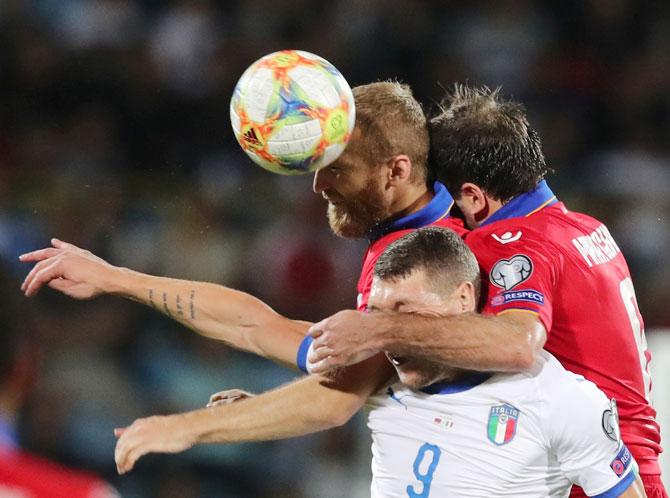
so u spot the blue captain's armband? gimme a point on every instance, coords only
(303, 350)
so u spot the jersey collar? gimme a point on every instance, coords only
(437, 209)
(525, 204)
(463, 384)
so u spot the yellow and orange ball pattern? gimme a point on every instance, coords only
(292, 112)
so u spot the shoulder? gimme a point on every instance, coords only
(505, 243)
(378, 246)
(455, 224)
(512, 232)
(565, 391)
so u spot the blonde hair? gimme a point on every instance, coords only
(391, 122)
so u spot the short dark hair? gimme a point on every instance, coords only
(391, 122)
(481, 138)
(439, 252)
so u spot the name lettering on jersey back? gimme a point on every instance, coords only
(598, 247)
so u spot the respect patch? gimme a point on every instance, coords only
(622, 461)
(529, 295)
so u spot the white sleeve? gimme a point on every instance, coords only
(582, 427)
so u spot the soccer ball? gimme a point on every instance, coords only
(292, 112)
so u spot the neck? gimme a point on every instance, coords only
(455, 374)
(524, 204)
(416, 199)
(456, 380)
(492, 206)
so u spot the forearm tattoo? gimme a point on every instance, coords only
(180, 304)
(192, 304)
(165, 305)
(180, 310)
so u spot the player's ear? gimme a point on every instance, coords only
(466, 296)
(398, 169)
(474, 200)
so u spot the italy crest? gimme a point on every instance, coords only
(502, 424)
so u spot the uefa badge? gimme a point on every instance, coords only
(502, 424)
(508, 273)
(611, 422)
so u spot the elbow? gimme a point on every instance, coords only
(530, 343)
(524, 360)
(340, 415)
(340, 418)
(336, 415)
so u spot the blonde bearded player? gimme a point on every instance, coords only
(440, 431)
(377, 189)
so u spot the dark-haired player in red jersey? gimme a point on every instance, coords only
(555, 278)
(22, 474)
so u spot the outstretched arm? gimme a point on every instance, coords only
(311, 404)
(507, 342)
(215, 311)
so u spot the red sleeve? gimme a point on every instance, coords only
(519, 275)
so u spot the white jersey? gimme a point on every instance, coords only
(531, 434)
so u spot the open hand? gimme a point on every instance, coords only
(69, 269)
(158, 434)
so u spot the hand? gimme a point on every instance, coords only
(67, 268)
(345, 338)
(228, 397)
(159, 434)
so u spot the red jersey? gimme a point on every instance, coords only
(435, 213)
(537, 257)
(27, 476)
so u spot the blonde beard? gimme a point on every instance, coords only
(355, 218)
(344, 225)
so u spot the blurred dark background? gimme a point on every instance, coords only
(115, 136)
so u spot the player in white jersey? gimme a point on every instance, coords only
(523, 435)
(530, 434)
(439, 432)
